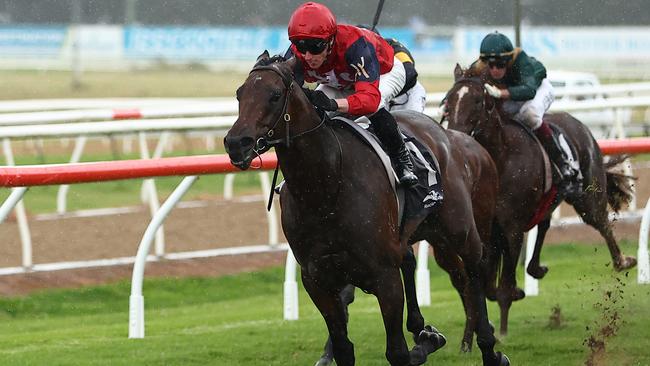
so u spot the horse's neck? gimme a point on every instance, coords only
(492, 137)
(311, 164)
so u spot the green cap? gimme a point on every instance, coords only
(496, 47)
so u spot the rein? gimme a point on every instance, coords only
(263, 143)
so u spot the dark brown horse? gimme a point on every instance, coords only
(520, 163)
(340, 214)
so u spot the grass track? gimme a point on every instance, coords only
(236, 320)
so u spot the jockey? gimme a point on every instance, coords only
(528, 95)
(413, 96)
(357, 74)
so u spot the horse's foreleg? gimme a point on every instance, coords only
(484, 331)
(391, 301)
(534, 268)
(471, 255)
(331, 308)
(414, 318)
(347, 297)
(508, 290)
(452, 264)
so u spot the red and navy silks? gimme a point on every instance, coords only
(357, 59)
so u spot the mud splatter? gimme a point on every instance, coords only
(608, 323)
(555, 321)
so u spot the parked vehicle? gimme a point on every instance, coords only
(601, 122)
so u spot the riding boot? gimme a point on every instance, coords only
(386, 129)
(569, 182)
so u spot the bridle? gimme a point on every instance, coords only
(265, 142)
(486, 110)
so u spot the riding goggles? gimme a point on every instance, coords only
(312, 45)
(493, 62)
(498, 65)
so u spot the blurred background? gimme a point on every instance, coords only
(82, 37)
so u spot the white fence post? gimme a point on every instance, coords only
(422, 275)
(136, 301)
(21, 216)
(61, 197)
(531, 285)
(643, 263)
(290, 288)
(271, 215)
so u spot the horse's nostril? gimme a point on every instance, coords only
(238, 143)
(247, 142)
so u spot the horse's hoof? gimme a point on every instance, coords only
(518, 294)
(324, 361)
(465, 347)
(626, 262)
(503, 359)
(537, 272)
(429, 340)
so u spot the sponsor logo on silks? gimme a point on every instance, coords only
(431, 199)
(360, 68)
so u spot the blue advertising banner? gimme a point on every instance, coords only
(202, 42)
(599, 43)
(205, 43)
(32, 40)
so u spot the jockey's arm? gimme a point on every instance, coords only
(363, 62)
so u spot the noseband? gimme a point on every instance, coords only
(484, 107)
(264, 143)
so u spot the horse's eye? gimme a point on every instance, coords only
(275, 96)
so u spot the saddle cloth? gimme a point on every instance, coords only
(551, 171)
(417, 201)
(551, 174)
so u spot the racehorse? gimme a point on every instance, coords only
(340, 211)
(520, 162)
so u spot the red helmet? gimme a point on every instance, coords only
(312, 20)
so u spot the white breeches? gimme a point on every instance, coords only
(530, 112)
(413, 100)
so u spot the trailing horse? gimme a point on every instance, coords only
(525, 197)
(340, 211)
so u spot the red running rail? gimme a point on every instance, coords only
(40, 175)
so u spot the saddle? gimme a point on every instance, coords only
(552, 175)
(424, 197)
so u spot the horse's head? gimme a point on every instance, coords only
(265, 107)
(467, 104)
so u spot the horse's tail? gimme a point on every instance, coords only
(619, 186)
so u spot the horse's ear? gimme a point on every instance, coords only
(291, 63)
(485, 75)
(263, 56)
(458, 72)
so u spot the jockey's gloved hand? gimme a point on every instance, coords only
(321, 100)
(492, 90)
